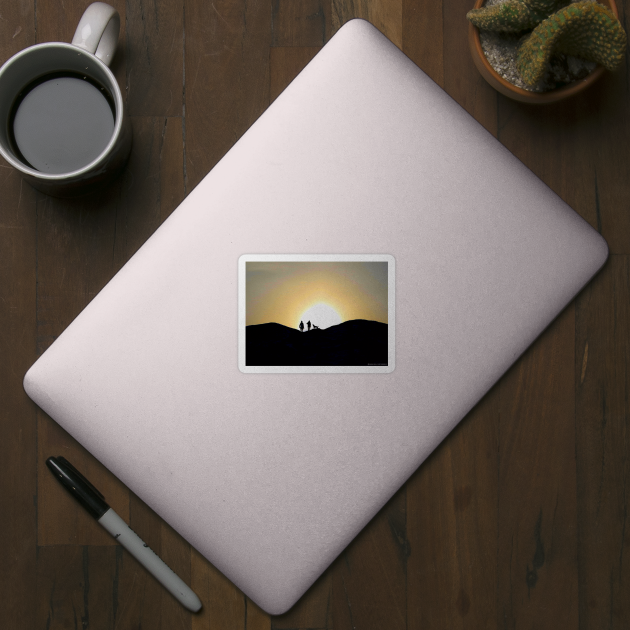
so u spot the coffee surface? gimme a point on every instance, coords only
(62, 124)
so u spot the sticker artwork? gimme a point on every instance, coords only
(316, 313)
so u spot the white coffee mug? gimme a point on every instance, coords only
(85, 60)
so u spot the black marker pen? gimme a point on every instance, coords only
(94, 502)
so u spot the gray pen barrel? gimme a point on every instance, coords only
(149, 559)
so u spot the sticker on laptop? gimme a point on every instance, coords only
(316, 313)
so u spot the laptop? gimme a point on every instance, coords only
(316, 316)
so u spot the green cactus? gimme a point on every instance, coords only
(513, 16)
(584, 29)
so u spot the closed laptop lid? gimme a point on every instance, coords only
(270, 461)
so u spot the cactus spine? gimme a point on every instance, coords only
(583, 29)
(513, 16)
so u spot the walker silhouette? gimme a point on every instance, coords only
(301, 326)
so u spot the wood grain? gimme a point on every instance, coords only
(57, 22)
(602, 380)
(151, 187)
(226, 78)
(61, 521)
(224, 606)
(76, 587)
(461, 79)
(154, 57)
(422, 36)
(386, 15)
(453, 498)
(151, 605)
(537, 510)
(18, 416)
(17, 28)
(452, 515)
(369, 577)
(573, 148)
(285, 64)
(300, 23)
(559, 148)
(609, 133)
(313, 609)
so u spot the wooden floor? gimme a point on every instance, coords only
(518, 520)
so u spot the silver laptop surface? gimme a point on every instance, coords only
(422, 259)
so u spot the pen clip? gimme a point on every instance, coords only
(69, 466)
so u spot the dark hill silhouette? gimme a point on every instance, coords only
(355, 342)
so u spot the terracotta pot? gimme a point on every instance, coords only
(518, 94)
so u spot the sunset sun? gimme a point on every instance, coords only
(321, 315)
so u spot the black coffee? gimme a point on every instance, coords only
(61, 123)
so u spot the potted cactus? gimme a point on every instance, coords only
(558, 48)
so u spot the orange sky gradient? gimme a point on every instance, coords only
(283, 292)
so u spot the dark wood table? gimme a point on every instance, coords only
(518, 520)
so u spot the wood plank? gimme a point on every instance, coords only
(176, 552)
(55, 23)
(154, 57)
(452, 526)
(255, 617)
(18, 421)
(369, 577)
(18, 415)
(224, 606)
(452, 499)
(171, 159)
(560, 150)
(285, 64)
(608, 127)
(386, 15)
(17, 28)
(76, 587)
(300, 23)
(312, 610)
(226, 78)
(603, 468)
(558, 147)
(143, 601)
(537, 537)
(566, 149)
(61, 520)
(152, 185)
(576, 149)
(74, 248)
(423, 36)
(461, 78)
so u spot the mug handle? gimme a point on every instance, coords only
(98, 30)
